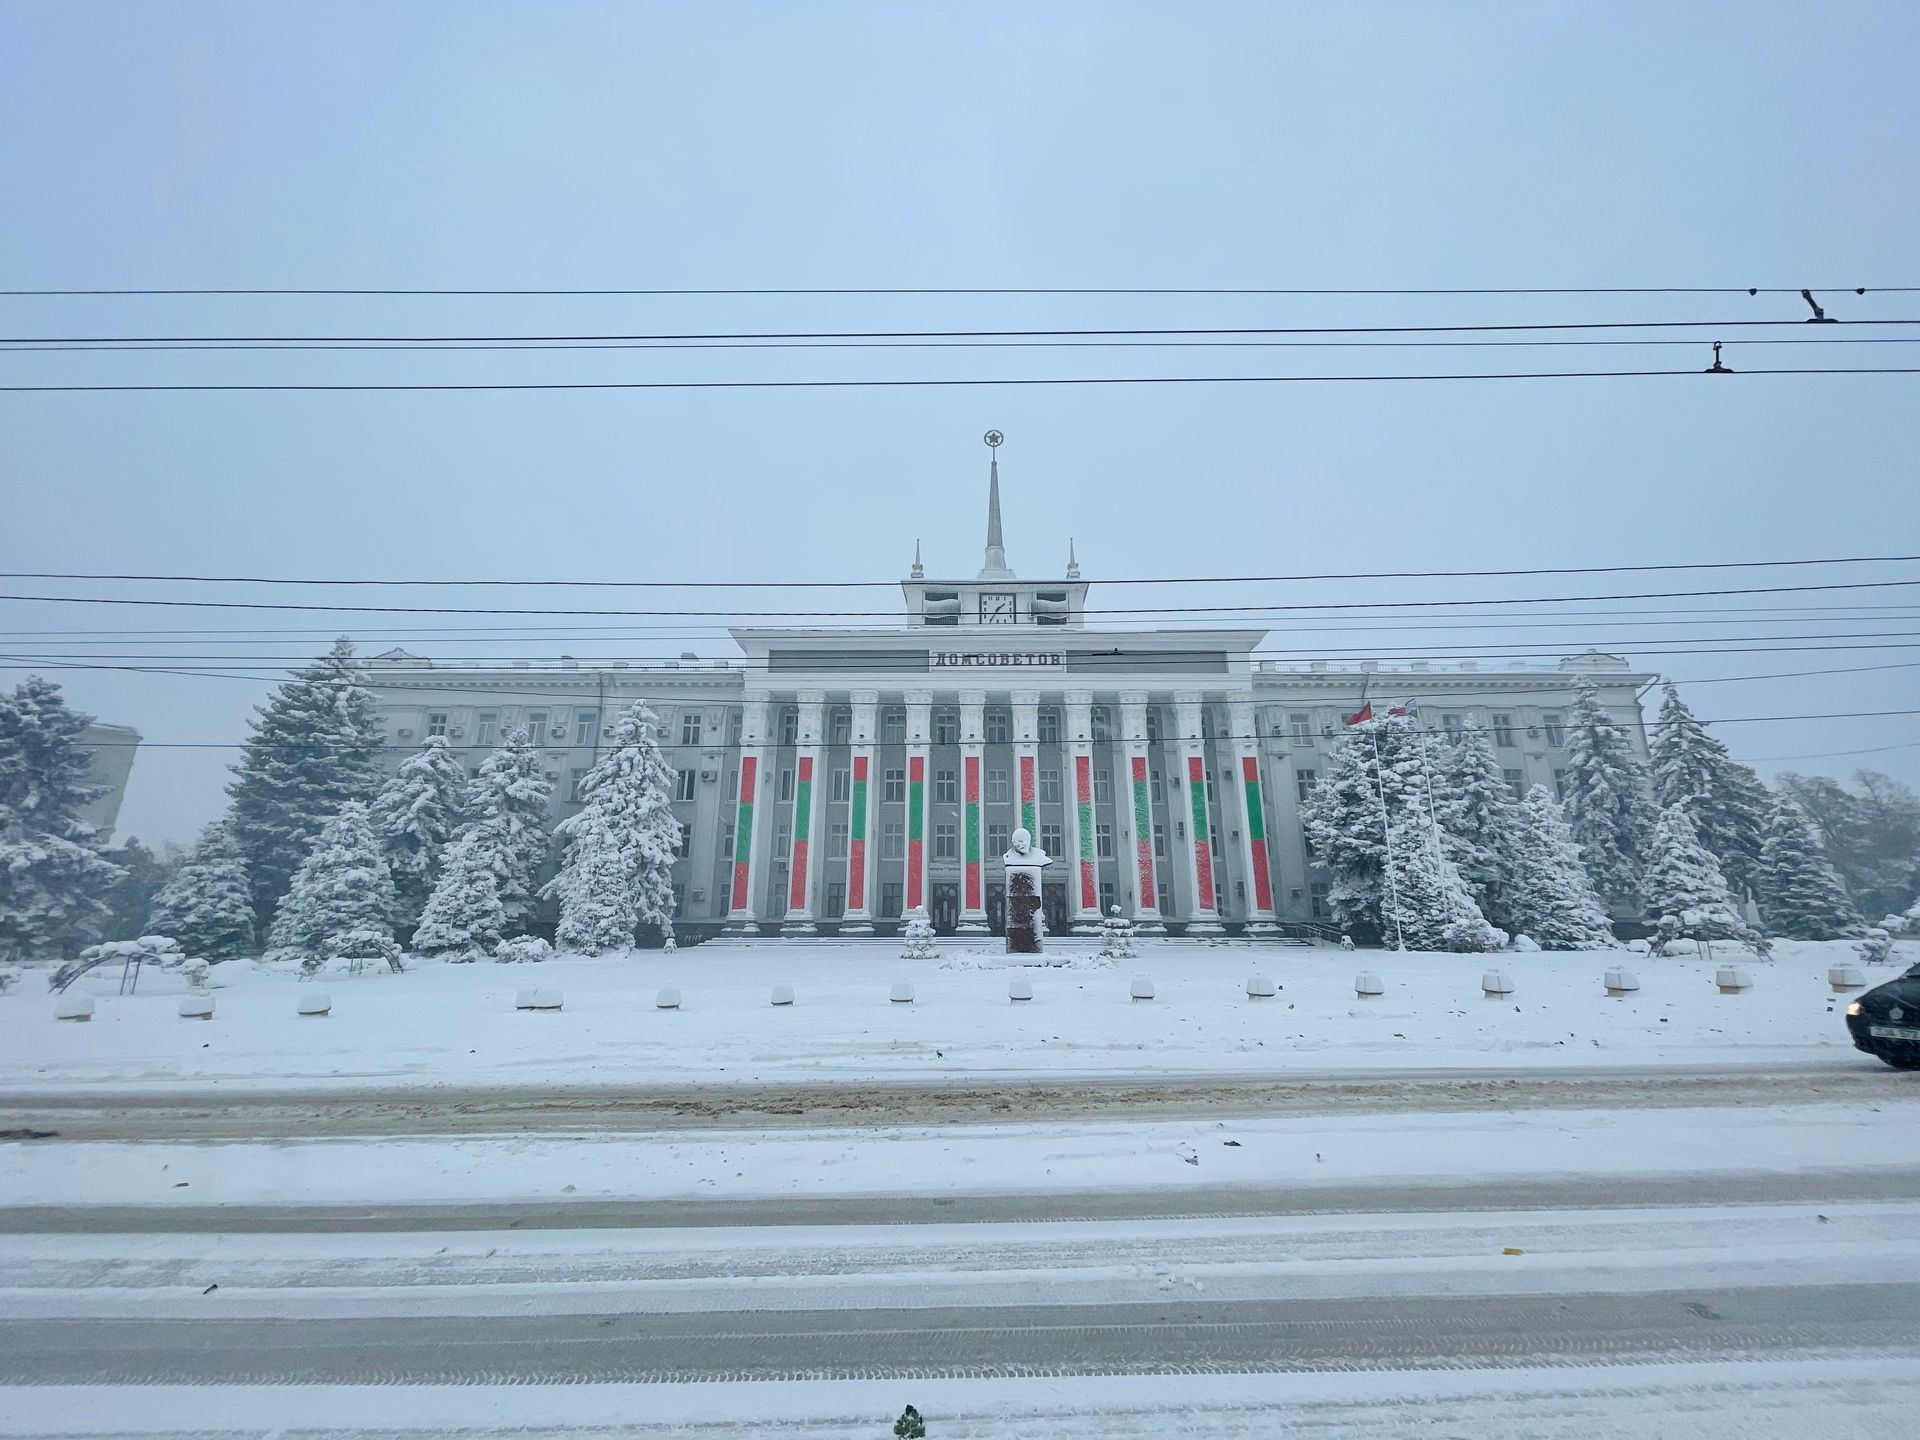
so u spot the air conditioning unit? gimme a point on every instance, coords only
(709, 775)
(456, 732)
(406, 734)
(559, 732)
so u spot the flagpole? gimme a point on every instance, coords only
(1386, 834)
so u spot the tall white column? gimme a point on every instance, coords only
(1250, 791)
(1137, 810)
(750, 819)
(919, 796)
(973, 832)
(806, 770)
(1188, 713)
(860, 869)
(1084, 893)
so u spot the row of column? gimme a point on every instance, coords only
(1196, 856)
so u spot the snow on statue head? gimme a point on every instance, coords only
(1023, 852)
(1022, 841)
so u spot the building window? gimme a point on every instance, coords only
(999, 789)
(1153, 722)
(1050, 839)
(736, 724)
(1300, 727)
(837, 840)
(893, 785)
(682, 849)
(1556, 724)
(1318, 891)
(946, 841)
(789, 727)
(726, 845)
(999, 836)
(893, 726)
(999, 727)
(484, 726)
(578, 774)
(946, 787)
(585, 723)
(836, 899)
(690, 728)
(1103, 787)
(946, 726)
(840, 728)
(1503, 730)
(1103, 839)
(1165, 907)
(683, 783)
(1160, 840)
(842, 785)
(679, 898)
(786, 784)
(1303, 783)
(890, 897)
(1453, 725)
(536, 721)
(1049, 787)
(436, 723)
(1049, 732)
(783, 843)
(893, 840)
(1560, 785)
(1516, 782)
(1106, 897)
(733, 782)
(1102, 722)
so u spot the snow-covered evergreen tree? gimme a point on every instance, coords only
(1725, 800)
(341, 887)
(53, 880)
(918, 935)
(1553, 901)
(1800, 895)
(509, 800)
(617, 870)
(1378, 763)
(1684, 880)
(1608, 807)
(414, 817)
(315, 745)
(1428, 905)
(1479, 823)
(464, 918)
(207, 906)
(130, 899)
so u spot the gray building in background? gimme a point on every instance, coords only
(831, 780)
(113, 748)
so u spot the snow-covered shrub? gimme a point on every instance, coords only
(342, 886)
(669, 946)
(464, 915)
(918, 933)
(1875, 947)
(1116, 936)
(1523, 945)
(9, 978)
(522, 950)
(194, 971)
(362, 946)
(208, 904)
(160, 950)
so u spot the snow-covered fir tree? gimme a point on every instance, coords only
(1608, 806)
(1428, 905)
(1480, 824)
(414, 817)
(464, 918)
(314, 745)
(1800, 894)
(1683, 880)
(130, 900)
(509, 800)
(53, 880)
(617, 870)
(1375, 773)
(1553, 901)
(1725, 800)
(207, 906)
(341, 887)
(918, 935)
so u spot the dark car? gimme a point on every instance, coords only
(1886, 1021)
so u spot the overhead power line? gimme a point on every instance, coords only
(795, 290)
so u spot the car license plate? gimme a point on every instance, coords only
(1893, 1032)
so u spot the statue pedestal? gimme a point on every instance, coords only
(1023, 910)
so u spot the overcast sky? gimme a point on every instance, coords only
(969, 144)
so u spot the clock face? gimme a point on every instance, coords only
(996, 610)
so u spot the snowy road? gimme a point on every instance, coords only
(219, 1113)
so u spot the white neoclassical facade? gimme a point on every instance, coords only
(831, 780)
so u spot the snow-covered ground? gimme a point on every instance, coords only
(455, 1024)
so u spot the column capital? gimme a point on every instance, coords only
(1241, 720)
(973, 698)
(1026, 697)
(918, 697)
(1079, 697)
(810, 697)
(864, 697)
(753, 719)
(1188, 717)
(1133, 697)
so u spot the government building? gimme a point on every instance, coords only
(829, 781)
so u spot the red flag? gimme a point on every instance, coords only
(1365, 712)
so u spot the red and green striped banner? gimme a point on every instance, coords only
(916, 840)
(1257, 833)
(857, 847)
(1029, 814)
(1083, 806)
(1143, 834)
(743, 832)
(1202, 847)
(971, 769)
(802, 822)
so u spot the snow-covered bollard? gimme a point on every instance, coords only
(315, 1003)
(1496, 984)
(1368, 985)
(902, 993)
(1261, 987)
(1732, 979)
(196, 1007)
(548, 998)
(783, 994)
(1020, 988)
(73, 1007)
(523, 997)
(1620, 982)
(668, 998)
(1142, 988)
(1844, 978)
(1876, 947)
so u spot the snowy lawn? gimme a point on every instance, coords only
(456, 1024)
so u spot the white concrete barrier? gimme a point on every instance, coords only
(668, 998)
(902, 993)
(196, 1007)
(1142, 988)
(1846, 977)
(1020, 988)
(1261, 987)
(1496, 984)
(783, 994)
(1620, 982)
(548, 997)
(523, 997)
(73, 1007)
(316, 1003)
(1368, 984)
(1732, 979)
